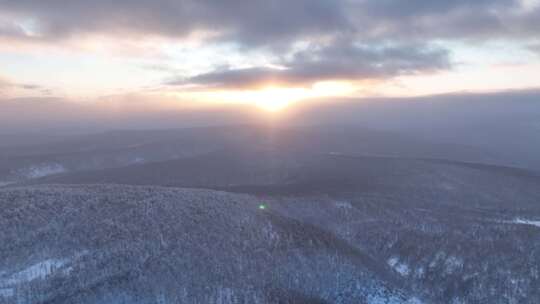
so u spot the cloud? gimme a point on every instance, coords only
(8, 86)
(535, 48)
(337, 61)
(442, 19)
(270, 23)
(8, 29)
(246, 21)
(418, 8)
(30, 86)
(347, 39)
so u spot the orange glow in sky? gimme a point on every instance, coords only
(274, 98)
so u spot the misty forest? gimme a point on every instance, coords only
(340, 212)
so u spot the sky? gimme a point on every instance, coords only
(268, 53)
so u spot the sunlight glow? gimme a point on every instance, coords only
(273, 98)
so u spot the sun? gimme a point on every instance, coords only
(271, 99)
(274, 98)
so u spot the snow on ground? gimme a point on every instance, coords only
(335, 153)
(439, 257)
(453, 264)
(42, 170)
(343, 205)
(526, 222)
(402, 268)
(137, 160)
(270, 233)
(420, 272)
(447, 186)
(37, 271)
(457, 301)
(384, 299)
(6, 292)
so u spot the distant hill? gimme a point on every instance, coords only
(124, 148)
(283, 173)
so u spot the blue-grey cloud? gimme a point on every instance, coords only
(372, 38)
(267, 23)
(417, 8)
(246, 21)
(447, 19)
(338, 61)
(535, 48)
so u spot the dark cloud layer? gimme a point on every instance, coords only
(338, 61)
(267, 22)
(413, 9)
(246, 21)
(368, 38)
